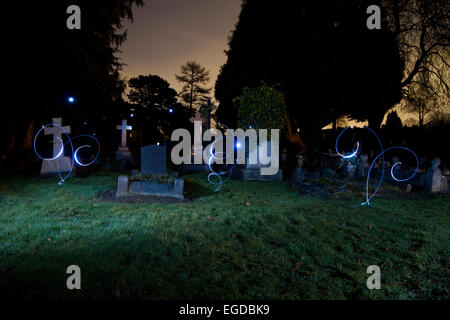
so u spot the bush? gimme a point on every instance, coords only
(262, 107)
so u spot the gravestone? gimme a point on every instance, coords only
(434, 181)
(351, 169)
(363, 166)
(62, 163)
(297, 174)
(122, 186)
(123, 149)
(200, 124)
(153, 159)
(252, 171)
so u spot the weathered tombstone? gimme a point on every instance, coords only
(153, 159)
(341, 167)
(434, 181)
(444, 184)
(62, 163)
(252, 171)
(123, 155)
(200, 124)
(122, 186)
(297, 174)
(351, 169)
(123, 149)
(363, 166)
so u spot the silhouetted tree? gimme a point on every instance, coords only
(49, 62)
(321, 52)
(194, 78)
(155, 111)
(420, 98)
(262, 107)
(422, 28)
(151, 92)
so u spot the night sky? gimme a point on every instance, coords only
(167, 33)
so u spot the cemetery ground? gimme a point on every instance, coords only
(251, 240)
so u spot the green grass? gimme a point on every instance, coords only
(254, 240)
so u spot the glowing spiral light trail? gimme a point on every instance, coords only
(349, 155)
(76, 158)
(61, 151)
(214, 156)
(381, 154)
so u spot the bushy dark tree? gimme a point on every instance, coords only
(49, 62)
(155, 111)
(393, 121)
(151, 92)
(262, 107)
(328, 62)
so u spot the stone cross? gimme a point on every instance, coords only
(62, 163)
(124, 129)
(57, 130)
(205, 112)
(198, 146)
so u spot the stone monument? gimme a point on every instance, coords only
(153, 159)
(62, 163)
(434, 180)
(123, 149)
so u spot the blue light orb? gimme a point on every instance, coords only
(238, 145)
(71, 99)
(170, 110)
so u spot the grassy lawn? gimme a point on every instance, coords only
(254, 240)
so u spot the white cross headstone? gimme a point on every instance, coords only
(123, 149)
(197, 147)
(62, 163)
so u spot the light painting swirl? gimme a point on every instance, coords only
(60, 153)
(381, 154)
(223, 156)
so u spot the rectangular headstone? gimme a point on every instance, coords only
(122, 186)
(153, 159)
